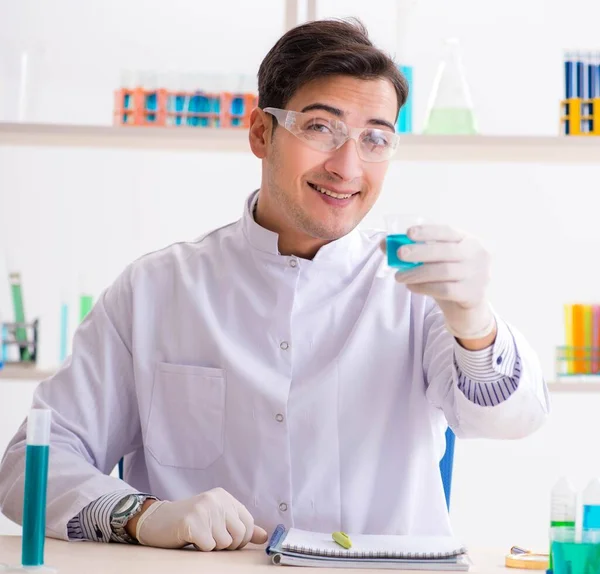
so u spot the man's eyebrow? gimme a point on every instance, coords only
(340, 114)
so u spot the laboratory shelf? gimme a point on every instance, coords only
(476, 148)
(589, 386)
(24, 373)
(27, 373)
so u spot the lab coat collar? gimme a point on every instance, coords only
(341, 250)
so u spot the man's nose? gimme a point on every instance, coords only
(344, 162)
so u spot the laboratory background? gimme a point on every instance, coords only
(123, 128)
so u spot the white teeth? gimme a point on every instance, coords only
(333, 194)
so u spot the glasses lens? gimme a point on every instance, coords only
(377, 145)
(320, 133)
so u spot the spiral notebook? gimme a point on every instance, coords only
(305, 548)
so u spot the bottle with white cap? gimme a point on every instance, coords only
(563, 508)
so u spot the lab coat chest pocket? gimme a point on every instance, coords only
(186, 423)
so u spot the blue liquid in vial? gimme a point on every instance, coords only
(393, 243)
(34, 506)
(591, 516)
(179, 108)
(237, 111)
(204, 107)
(151, 106)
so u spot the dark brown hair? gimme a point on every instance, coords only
(323, 48)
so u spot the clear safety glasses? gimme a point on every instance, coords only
(327, 134)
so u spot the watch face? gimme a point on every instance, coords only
(125, 504)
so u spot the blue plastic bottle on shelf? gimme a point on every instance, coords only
(591, 505)
(405, 117)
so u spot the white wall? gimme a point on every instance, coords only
(79, 216)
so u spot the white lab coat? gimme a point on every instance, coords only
(313, 391)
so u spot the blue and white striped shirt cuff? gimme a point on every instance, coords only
(489, 376)
(93, 522)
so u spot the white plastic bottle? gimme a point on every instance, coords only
(591, 505)
(563, 508)
(563, 504)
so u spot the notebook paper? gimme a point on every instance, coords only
(372, 546)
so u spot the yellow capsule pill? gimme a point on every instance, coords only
(342, 539)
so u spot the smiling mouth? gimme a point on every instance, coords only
(330, 193)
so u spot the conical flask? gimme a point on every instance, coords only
(450, 108)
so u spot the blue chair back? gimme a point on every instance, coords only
(446, 465)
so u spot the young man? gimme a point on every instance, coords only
(268, 373)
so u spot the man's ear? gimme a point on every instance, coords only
(260, 132)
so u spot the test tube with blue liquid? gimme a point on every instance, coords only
(179, 99)
(150, 85)
(397, 227)
(34, 496)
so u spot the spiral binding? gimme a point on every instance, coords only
(310, 551)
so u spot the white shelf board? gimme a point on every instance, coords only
(478, 148)
(24, 373)
(28, 373)
(164, 139)
(575, 386)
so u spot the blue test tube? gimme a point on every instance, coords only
(580, 77)
(36, 481)
(404, 121)
(590, 89)
(568, 75)
(237, 109)
(569, 81)
(580, 85)
(4, 350)
(597, 64)
(64, 331)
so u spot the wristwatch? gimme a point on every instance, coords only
(123, 512)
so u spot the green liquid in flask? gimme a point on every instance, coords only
(450, 121)
(86, 302)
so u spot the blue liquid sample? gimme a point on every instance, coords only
(404, 121)
(575, 558)
(204, 107)
(393, 243)
(591, 517)
(64, 331)
(237, 110)
(151, 106)
(34, 505)
(179, 108)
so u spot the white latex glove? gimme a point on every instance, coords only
(455, 272)
(213, 520)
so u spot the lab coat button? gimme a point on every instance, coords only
(279, 417)
(283, 507)
(284, 345)
(293, 263)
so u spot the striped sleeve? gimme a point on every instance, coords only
(93, 522)
(489, 376)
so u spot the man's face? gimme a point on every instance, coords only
(297, 175)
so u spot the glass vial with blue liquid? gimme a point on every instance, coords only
(34, 496)
(397, 227)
